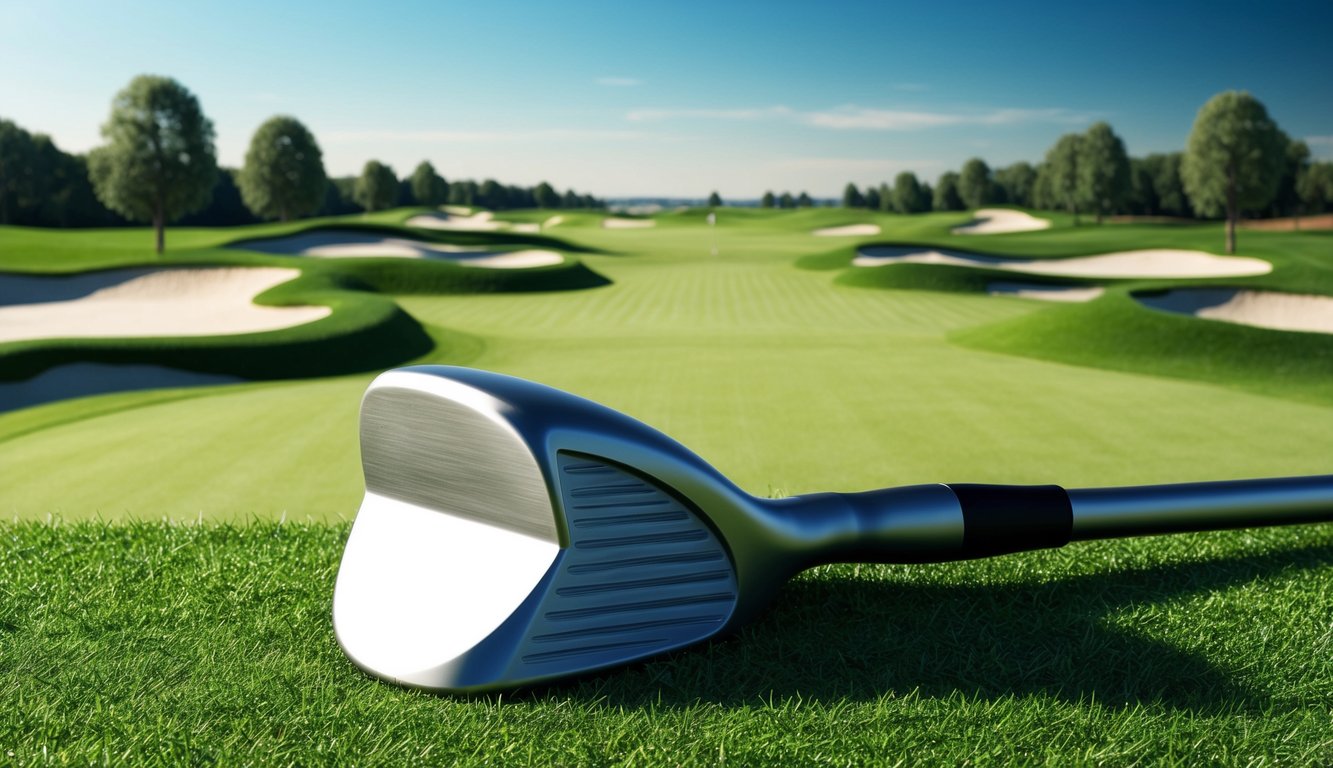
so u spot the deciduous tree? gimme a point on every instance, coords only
(1103, 170)
(1016, 183)
(283, 177)
(946, 193)
(1062, 174)
(159, 162)
(376, 187)
(429, 187)
(974, 184)
(908, 196)
(1233, 159)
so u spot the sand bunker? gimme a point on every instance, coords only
(995, 221)
(526, 228)
(1157, 263)
(82, 379)
(554, 221)
(1042, 292)
(616, 222)
(350, 243)
(193, 301)
(482, 221)
(1263, 309)
(850, 230)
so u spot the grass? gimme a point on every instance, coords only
(127, 639)
(203, 644)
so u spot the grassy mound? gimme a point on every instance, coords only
(366, 330)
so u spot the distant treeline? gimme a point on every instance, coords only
(1238, 163)
(43, 186)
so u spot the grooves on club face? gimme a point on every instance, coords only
(491, 552)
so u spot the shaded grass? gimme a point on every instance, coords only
(149, 643)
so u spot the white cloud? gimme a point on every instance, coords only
(853, 117)
(484, 137)
(1319, 140)
(657, 115)
(619, 82)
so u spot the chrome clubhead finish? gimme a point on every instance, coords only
(513, 534)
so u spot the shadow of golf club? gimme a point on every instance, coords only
(836, 639)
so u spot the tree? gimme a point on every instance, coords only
(803, 200)
(545, 196)
(1103, 170)
(714, 200)
(1233, 159)
(851, 197)
(946, 193)
(1316, 187)
(768, 200)
(908, 197)
(377, 186)
(159, 162)
(1167, 188)
(18, 177)
(1016, 183)
(463, 193)
(786, 201)
(1142, 199)
(429, 187)
(491, 194)
(974, 184)
(226, 207)
(1295, 160)
(283, 176)
(1062, 177)
(872, 198)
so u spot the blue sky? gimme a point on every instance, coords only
(675, 98)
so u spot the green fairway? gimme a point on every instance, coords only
(791, 372)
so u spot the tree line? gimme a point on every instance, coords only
(1237, 161)
(159, 165)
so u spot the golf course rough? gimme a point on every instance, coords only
(1208, 647)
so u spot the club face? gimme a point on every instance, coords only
(513, 534)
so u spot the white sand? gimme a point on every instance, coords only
(850, 230)
(193, 301)
(64, 382)
(1158, 263)
(995, 221)
(1264, 309)
(554, 221)
(482, 221)
(1041, 292)
(616, 222)
(526, 228)
(350, 243)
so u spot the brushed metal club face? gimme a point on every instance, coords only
(494, 550)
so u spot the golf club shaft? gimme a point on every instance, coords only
(1105, 513)
(932, 523)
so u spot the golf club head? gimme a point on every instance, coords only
(512, 533)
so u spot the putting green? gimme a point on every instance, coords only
(786, 380)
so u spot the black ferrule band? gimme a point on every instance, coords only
(999, 519)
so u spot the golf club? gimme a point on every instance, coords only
(513, 534)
